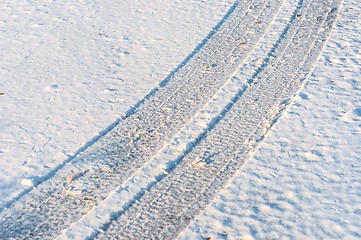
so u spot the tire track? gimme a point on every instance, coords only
(84, 183)
(179, 197)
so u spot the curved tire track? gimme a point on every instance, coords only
(179, 197)
(74, 190)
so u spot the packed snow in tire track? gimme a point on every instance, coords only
(62, 200)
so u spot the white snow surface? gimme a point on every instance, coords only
(304, 181)
(69, 69)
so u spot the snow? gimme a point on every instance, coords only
(155, 169)
(304, 181)
(71, 69)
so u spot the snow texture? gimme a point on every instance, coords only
(304, 180)
(71, 70)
